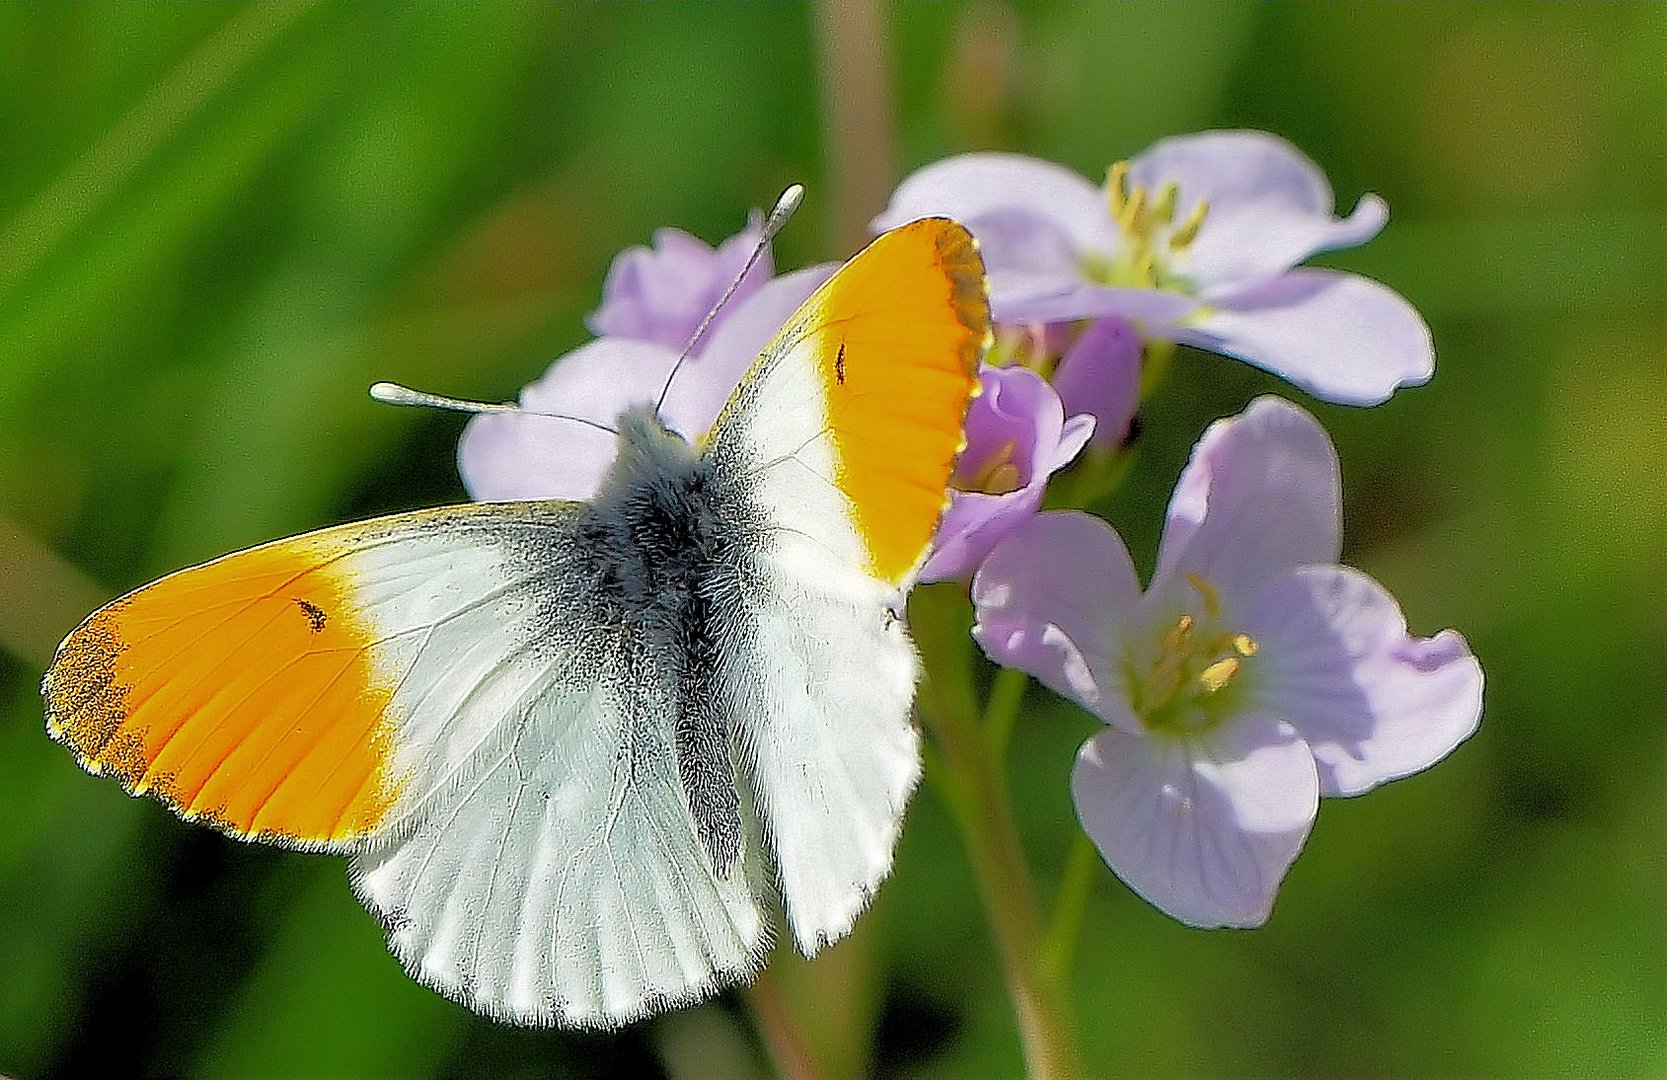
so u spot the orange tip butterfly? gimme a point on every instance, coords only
(579, 753)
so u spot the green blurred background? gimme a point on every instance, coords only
(219, 224)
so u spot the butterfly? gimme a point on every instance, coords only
(581, 754)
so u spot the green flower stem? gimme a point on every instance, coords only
(1059, 945)
(1094, 478)
(973, 785)
(1007, 691)
(1081, 869)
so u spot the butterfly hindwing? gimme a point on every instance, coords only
(565, 882)
(601, 862)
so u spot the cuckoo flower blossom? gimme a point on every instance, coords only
(660, 294)
(1197, 240)
(1018, 436)
(646, 315)
(1251, 677)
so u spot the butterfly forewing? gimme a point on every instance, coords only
(460, 696)
(291, 692)
(866, 389)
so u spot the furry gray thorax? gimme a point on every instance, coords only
(668, 539)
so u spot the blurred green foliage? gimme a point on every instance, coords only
(219, 224)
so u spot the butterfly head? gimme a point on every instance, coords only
(647, 450)
(641, 431)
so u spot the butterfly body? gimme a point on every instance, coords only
(668, 552)
(581, 752)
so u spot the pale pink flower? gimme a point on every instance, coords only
(1018, 436)
(1197, 240)
(1251, 677)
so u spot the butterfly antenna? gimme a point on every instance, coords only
(394, 394)
(785, 206)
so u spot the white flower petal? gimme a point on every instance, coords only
(659, 294)
(1051, 598)
(1100, 375)
(1373, 702)
(970, 187)
(1018, 416)
(502, 456)
(1341, 337)
(601, 378)
(1023, 241)
(1261, 496)
(1367, 219)
(732, 346)
(1270, 207)
(1204, 830)
(1023, 296)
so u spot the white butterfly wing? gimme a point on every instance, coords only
(844, 436)
(564, 882)
(824, 683)
(561, 877)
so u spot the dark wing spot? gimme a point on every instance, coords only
(315, 614)
(839, 365)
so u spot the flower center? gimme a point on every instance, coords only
(1191, 678)
(1152, 240)
(1036, 346)
(996, 473)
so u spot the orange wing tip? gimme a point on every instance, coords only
(241, 694)
(917, 302)
(985, 343)
(963, 263)
(973, 394)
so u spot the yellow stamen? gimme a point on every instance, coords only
(1022, 345)
(1145, 265)
(1163, 211)
(1182, 238)
(1002, 479)
(1245, 645)
(997, 474)
(1207, 593)
(1117, 188)
(1219, 674)
(1132, 221)
(1179, 635)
